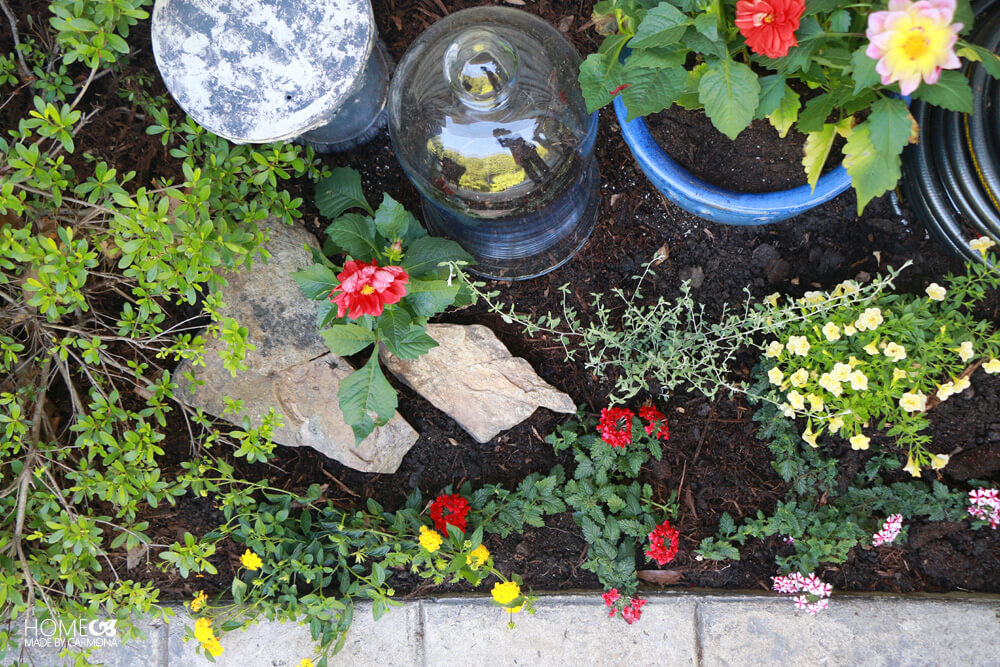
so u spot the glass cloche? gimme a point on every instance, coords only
(488, 121)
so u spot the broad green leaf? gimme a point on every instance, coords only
(951, 92)
(393, 325)
(772, 91)
(689, 99)
(599, 75)
(817, 149)
(868, 155)
(813, 117)
(989, 60)
(800, 57)
(707, 23)
(411, 343)
(430, 297)
(891, 125)
(863, 70)
(652, 90)
(427, 252)
(316, 281)
(392, 220)
(656, 58)
(663, 26)
(366, 398)
(354, 234)
(339, 192)
(730, 92)
(347, 339)
(964, 14)
(326, 312)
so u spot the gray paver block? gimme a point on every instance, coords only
(393, 640)
(150, 651)
(565, 630)
(879, 631)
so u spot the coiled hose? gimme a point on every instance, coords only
(951, 178)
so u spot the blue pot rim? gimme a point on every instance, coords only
(715, 203)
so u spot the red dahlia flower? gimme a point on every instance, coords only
(615, 426)
(769, 25)
(663, 543)
(449, 510)
(654, 416)
(365, 289)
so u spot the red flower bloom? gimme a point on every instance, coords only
(769, 25)
(615, 426)
(449, 510)
(633, 612)
(662, 536)
(365, 289)
(652, 415)
(611, 597)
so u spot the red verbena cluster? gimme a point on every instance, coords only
(657, 421)
(985, 504)
(631, 612)
(615, 426)
(449, 510)
(890, 530)
(663, 543)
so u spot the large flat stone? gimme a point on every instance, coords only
(472, 377)
(565, 630)
(876, 631)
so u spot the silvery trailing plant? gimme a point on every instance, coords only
(740, 60)
(390, 281)
(92, 264)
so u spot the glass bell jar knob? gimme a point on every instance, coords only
(488, 121)
(257, 71)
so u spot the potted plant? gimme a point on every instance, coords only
(741, 60)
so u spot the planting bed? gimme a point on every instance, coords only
(713, 460)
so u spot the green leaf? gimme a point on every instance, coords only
(813, 117)
(730, 92)
(347, 339)
(392, 220)
(817, 149)
(591, 531)
(652, 90)
(366, 398)
(863, 70)
(772, 92)
(990, 61)
(413, 343)
(354, 234)
(707, 23)
(656, 58)
(663, 26)
(430, 297)
(339, 192)
(599, 75)
(316, 281)
(871, 155)
(891, 125)
(326, 312)
(425, 253)
(951, 92)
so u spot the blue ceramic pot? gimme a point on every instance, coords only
(714, 203)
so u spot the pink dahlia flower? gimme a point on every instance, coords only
(913, 42)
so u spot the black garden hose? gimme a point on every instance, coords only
(951, 178)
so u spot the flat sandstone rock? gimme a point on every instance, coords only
(291, 369)
(473, 378)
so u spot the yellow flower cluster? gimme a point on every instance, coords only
(198, 603)
(506, 592)
(430, 539)
(477, 556)
(306, 662)
(203, 633)
(251, 561)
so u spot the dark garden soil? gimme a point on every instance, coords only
(712, 461)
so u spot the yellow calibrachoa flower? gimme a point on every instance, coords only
(199, 601)
(831, 385)
(798, 345)
(911, 466)
(836, 423)
(831, 331)
(775, 376)
(430, 539)
(251, 561)
(939, 461)
(898, 374)
(810, 437)
(965, 351)
(936, 292)
(786, 410)
(859, 441)
(774, 349)
(869, 320)
(772, 299)
(506, 592)
(872, 349)
(799, 378)
(895, 351)
(913, 401)
(992, 366)
(815, 402)
(203, 629)
(796, 400)
(859, 381)
(982, 244)
(841, 372)
(849, 330)
(944, 391)
(477, 556)
(854, 362)
(814, 297)
(961, 384)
